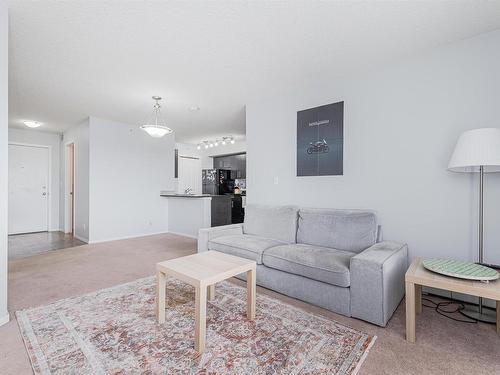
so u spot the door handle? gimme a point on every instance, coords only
(44, 193)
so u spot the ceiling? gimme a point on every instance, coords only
(70, 59)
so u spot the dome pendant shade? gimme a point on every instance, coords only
(156, 131)
(155, 128)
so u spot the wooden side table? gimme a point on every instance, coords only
(202, 271)
(417, 276)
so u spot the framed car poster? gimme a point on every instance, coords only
(320, 140)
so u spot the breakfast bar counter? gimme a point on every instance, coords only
(187, 213)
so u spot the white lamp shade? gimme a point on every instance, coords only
(156, 131)
(475, 148)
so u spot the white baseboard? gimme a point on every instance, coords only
(4, 319)
(184, 235)
(127, 237)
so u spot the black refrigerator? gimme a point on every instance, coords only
(217, 181)
(209, 181)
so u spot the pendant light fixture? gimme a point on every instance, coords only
(155, 128)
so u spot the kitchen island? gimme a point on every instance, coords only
(187, 213)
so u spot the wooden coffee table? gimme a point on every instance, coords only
(202, 271)
(417, 276)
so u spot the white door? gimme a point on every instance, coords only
(189, 174)
(28, 189)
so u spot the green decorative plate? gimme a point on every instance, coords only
(462, 270)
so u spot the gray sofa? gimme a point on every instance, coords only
(330, 258)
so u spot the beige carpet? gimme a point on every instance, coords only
(443, 346)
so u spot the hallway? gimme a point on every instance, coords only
(28, 244)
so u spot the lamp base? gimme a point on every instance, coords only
(487, 316)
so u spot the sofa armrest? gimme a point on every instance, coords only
(207, 234)
(378, 281)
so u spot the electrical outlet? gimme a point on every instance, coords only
(276, 180)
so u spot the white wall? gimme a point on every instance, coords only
(4, 172)
(401, 125)
(128, 169)
(33, 137)
(188, 149)
(79, 135)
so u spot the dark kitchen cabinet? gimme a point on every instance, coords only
(236, 163)
(221, 210)
(224, 162)
(241, 166)
(237, 210)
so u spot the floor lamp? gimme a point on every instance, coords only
(478, 151)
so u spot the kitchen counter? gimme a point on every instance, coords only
(186, 195)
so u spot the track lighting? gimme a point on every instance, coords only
(210, 144)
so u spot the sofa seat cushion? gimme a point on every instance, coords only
(243, 245)
(318, 263)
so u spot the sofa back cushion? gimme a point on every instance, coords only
(350, 230)
(276, 222)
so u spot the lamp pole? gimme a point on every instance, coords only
(481, 228)
(478, 150)
(481, 315)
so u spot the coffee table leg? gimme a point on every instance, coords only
(200, 318)
(410, 312)
(211, 292)
(251, 280)
(161, 283)
(418, 298)
(498, 317)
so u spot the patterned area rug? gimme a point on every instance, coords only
(114, 331)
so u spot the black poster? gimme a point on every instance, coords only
(320, 140)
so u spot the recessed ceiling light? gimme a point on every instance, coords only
(194, 108)
(32, 124)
